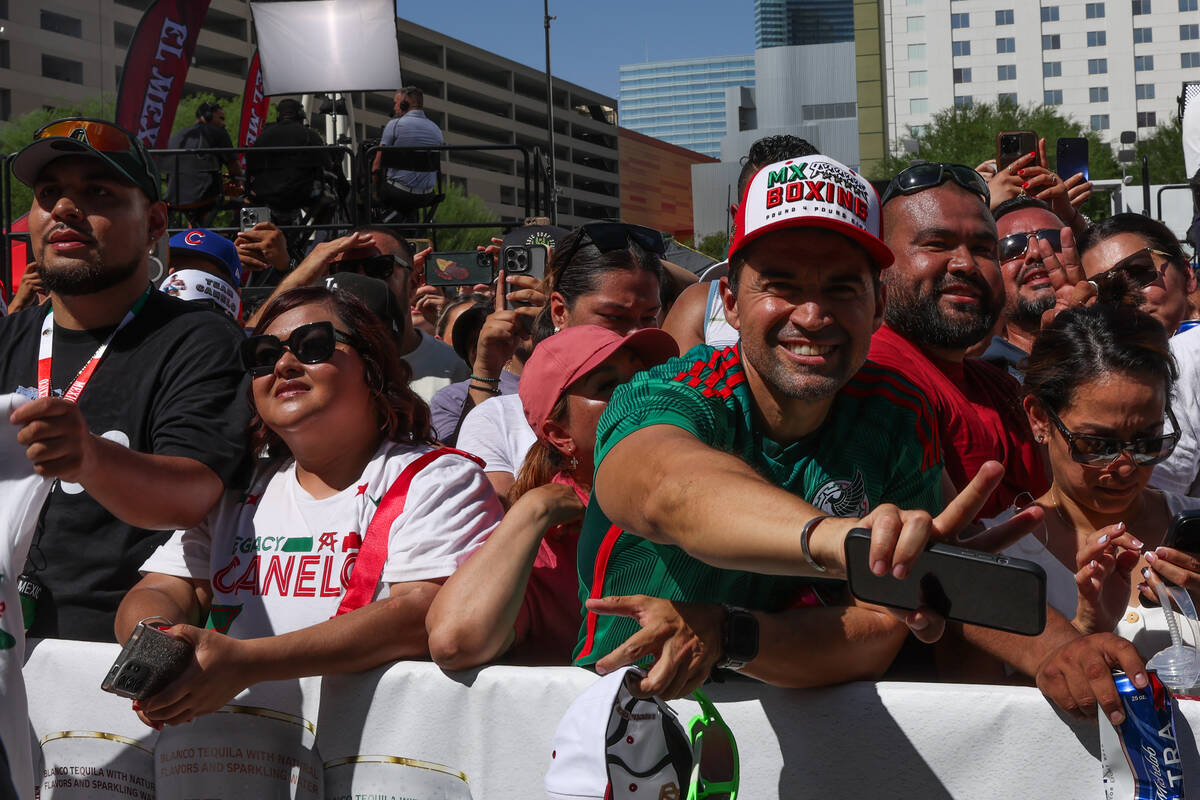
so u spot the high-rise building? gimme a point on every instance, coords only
(51, 51)
(779, 23)
(682, 101)
(1113, 65)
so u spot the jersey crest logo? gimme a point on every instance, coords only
(843, 498)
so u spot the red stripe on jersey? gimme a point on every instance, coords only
(888, 385)
(602, 556)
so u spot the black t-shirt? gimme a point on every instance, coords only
(192, 178)
(285, 180)
(170, 384)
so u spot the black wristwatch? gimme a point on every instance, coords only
(739, 638)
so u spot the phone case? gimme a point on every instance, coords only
(147, 664)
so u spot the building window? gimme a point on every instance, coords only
(1007, 97)
(61, 69)
(916, 24)
(1051, 41)
(962, 20)
(960, 48)
(1145, 91)
(4, 57)
(1098, 94)
(916, 51)
(5, 104)
(1004, 16)
(1147, 119)
(1051, 69)
(918, 105)
(1006, 72)
(1143, 35)
(1187, 32)
(1143, 63)
(1097, 38)
(962, 74)
(1006, 45)
(1097, 66)
(1094, 11)
(1188, 5)
(1141, 7)
(917, 131)
(1186, 60)
(1049, 13)
(963, 101)
(1052, 97)
(1099, 122)
(61, 23)
(917, 78)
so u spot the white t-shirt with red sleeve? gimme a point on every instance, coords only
(279, 560)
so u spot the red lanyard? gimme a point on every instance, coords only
(46, 351)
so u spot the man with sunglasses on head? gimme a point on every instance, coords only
(377, 251)
(138, 406)
(1026, 225)
(944, 294)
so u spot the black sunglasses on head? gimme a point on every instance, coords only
(1015, 245)
(609, 236)
(380, 267)
(1101, 451)
(310, 344)
(920, 177)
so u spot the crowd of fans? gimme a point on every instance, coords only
(368, 469)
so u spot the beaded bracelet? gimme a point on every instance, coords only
(485, 380)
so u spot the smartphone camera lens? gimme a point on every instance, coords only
(515, 260)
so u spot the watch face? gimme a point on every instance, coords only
(741, 636)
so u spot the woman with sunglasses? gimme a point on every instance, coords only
(1145, 253)
(1097, 386)
(295, 576)
(603, 273)
(521, 589)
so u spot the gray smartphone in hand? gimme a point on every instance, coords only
(148, 663)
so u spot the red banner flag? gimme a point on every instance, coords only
(254, 108)
(156, 66)
(18, 254)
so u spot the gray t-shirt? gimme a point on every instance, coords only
(412, 130)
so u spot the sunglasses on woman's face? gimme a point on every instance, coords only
(310, 344)
(1101, 451)
(1017, 244)
(1138, 267)
(380, 267)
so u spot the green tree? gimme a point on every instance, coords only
(1164, 153)
(968, 136)
(461, 206)
(715, 245)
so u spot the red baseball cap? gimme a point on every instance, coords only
(572, 353)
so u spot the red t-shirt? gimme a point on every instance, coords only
(979, 417)
(547, 626)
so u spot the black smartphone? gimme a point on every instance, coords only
(1072, 157)
(458, 268)
(147, 664)
(970, 586)
(1011, 145)
(527, 259)
(252, 215)
(1184, 533)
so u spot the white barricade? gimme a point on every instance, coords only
(487, 733)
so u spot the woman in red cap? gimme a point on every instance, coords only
(521, 589)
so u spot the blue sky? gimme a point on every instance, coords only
(590, 40)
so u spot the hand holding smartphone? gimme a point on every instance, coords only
(963, 585)
(1011, 145)
(148, 663)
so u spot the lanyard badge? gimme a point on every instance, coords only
(46, 353)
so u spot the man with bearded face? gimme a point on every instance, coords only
(138, 403)
(945, 293)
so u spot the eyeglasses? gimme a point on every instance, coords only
(1016, 245)
(380, 267)
(310, 344)
(920, 177)
(1139, 267)
(609, 236)
(716, 771)
(1101, 451)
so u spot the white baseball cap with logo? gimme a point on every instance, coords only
(812, 191)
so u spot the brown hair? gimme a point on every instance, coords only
(543, 461)
(403, 416)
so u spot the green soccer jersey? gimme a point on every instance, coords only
(879, 444)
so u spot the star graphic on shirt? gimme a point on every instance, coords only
(362, 489)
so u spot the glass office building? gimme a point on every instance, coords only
(779, 23)
(682, 102)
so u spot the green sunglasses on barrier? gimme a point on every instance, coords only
(716, 771)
